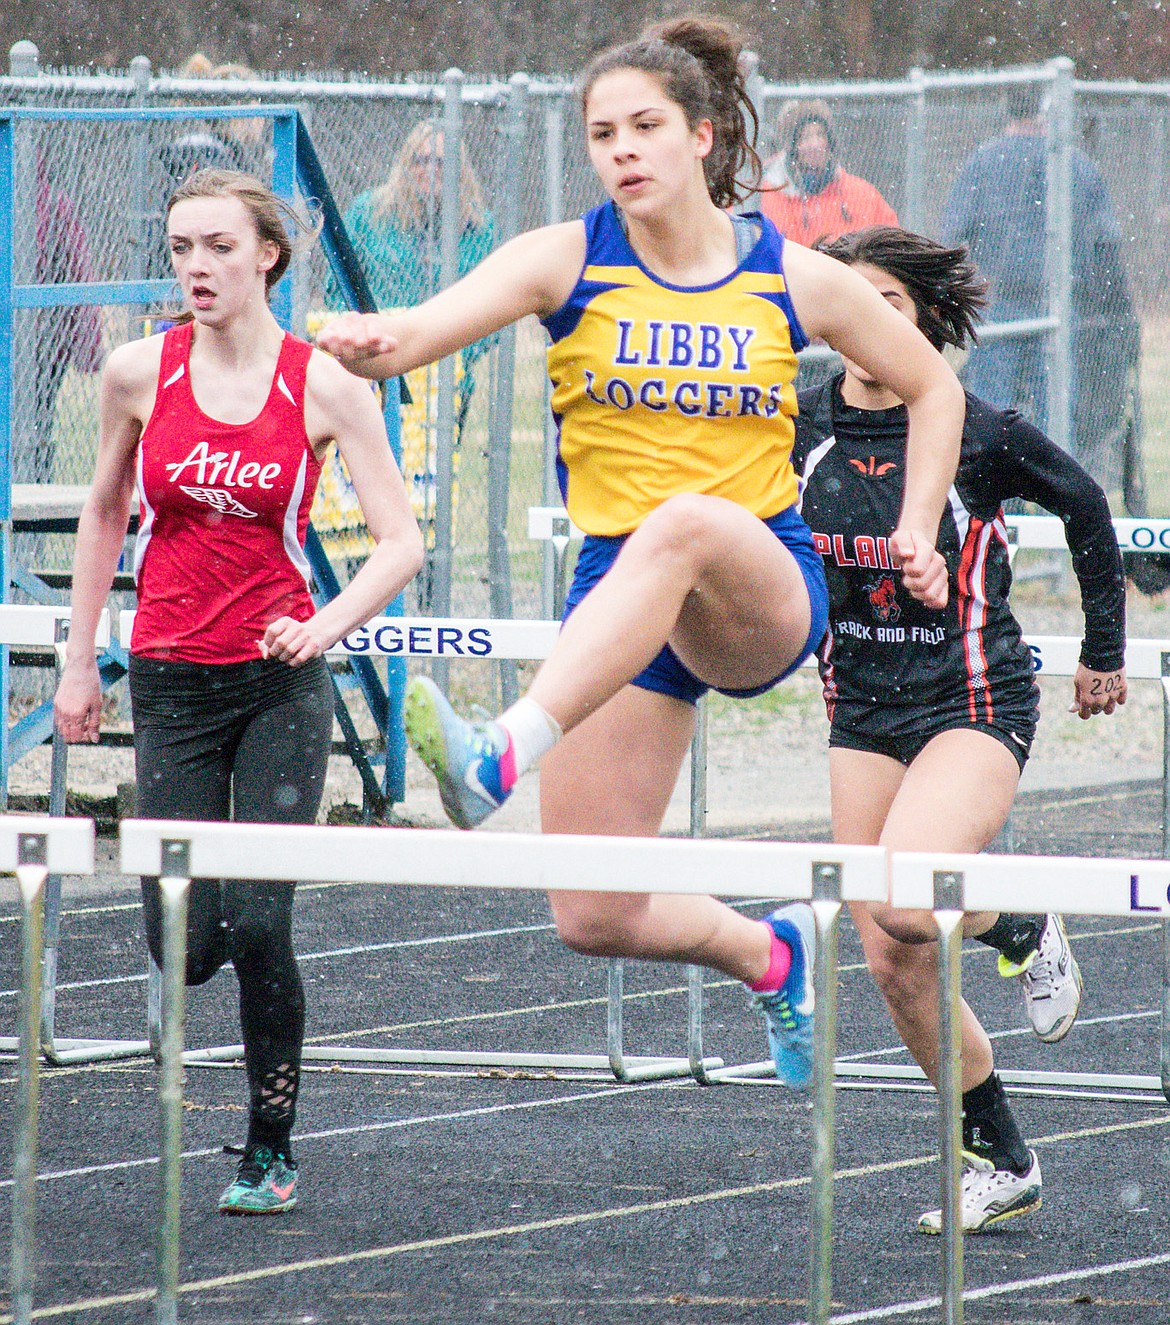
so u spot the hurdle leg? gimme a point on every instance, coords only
(31, 872)
(1164, 1039)
(695, 1064)
(826, 905)
(699, 1063)
(561, 527)
(52, 911)
(154, 987)
(52, 932)
(175, 885)
(948, 915)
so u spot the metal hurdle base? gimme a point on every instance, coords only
(38, 626)
(895, 1077)
(624, 1068)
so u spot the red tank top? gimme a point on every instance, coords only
(223, 513)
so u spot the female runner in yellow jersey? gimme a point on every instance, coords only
(674, 328)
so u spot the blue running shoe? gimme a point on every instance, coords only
(789, 1010)
(266, 1184)
(470, 760)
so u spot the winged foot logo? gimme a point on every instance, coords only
(216, 473)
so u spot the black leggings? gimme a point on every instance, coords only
(247, 742)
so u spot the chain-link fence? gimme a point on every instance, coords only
(1056, 185)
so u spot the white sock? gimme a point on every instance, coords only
(532, 731)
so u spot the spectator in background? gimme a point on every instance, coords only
(62, 336)
(395, 227)
(396, 231)
(806, 192)
(998, 209)
(222, 144)
(214, 145)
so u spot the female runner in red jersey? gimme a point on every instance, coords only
(219, 425)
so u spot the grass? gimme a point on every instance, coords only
(1155, 388)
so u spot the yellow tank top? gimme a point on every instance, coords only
(661, 389)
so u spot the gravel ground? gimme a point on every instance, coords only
(767, 758)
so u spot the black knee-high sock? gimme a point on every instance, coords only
(1016, 936)
(989, 1129)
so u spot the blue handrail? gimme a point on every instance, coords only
(295, 165)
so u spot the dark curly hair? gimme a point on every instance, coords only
(948, 292)
(697, 61)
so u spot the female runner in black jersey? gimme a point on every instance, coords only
(933, 711)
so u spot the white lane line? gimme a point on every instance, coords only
(998, 1290)
(623, 1212)
(1017, 1031)
(332, 952)
(468, 1238)
(392, 1124)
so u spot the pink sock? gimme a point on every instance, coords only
(508, 774)
(778, 967)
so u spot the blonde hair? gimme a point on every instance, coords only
(401, 200)
(196, 66)
(200, 66)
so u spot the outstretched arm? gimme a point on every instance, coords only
(534, 273)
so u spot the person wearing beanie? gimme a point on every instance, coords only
(806, 192)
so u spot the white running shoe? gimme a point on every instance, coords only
(1051, 982)
(990, 1196)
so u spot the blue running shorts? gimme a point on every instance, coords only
(666, 674)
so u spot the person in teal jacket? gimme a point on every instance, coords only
(396, 229)
(396, 226)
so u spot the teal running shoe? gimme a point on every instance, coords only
(265, 1184)
(473, 762)
(788, 1011)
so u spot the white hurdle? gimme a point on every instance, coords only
(486, 640)
(45, 629)
(34, 848)
(177, 851)
(1056, 655)
(1047, 532)
(950, 885)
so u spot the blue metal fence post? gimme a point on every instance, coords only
(284, 184)
(6, 328)
(394, 773)
(386, 707)
(291, 144)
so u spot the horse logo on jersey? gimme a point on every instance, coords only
(219, 499)
(873, 469)
(883, 598)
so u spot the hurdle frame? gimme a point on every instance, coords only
(488, 639)
(33, 847)
(46, 628)
(485, 639)
(824, 874)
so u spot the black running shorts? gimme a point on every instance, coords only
(901, 731)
